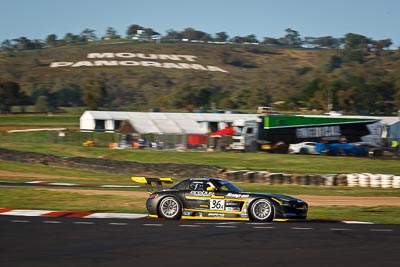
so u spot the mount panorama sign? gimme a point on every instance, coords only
(138, 60)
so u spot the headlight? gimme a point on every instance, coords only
(152, 196)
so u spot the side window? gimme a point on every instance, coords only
(197, 186)
(182, 186)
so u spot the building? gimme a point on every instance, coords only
(158, 122)
(186, 123)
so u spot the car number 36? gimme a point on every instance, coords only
(217, 204)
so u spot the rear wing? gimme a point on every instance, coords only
(152, 184)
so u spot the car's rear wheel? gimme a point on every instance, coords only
(170, 208)
(262, 210)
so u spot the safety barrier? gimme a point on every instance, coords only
(352, 180)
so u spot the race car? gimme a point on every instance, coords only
(217, 199)
(303, 148)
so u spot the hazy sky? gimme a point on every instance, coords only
(35, 19)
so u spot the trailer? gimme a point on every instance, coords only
(274, 133)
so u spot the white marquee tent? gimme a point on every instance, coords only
(157, 122)
(177, 123)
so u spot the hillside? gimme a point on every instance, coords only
(143, 75)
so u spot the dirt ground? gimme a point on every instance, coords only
(311, 200)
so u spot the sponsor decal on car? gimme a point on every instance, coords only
(201, 193)
(235, 195)
(216, 215)
(237, 209)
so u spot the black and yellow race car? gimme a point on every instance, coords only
(217, 199)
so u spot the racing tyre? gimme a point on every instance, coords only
(170, 208)
(304, 151)
(262, 210)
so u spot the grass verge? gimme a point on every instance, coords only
(38, 198)
(121, 200)
(231, 160)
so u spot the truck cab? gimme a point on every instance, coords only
(246, 134)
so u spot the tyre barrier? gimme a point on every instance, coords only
(364, 179)
(396, 182)
(351, 180)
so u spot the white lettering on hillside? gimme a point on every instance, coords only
(166, 65)
(138, 62)
(142, 56)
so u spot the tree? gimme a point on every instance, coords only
(23, 43)
(226, 103)
(71, 39)
(41, 104)
(380, 45)
(354, 41)
(334, 62)
(251, 38)
(187, 96)
(7, 46)
(94, 92)
(260, 94)
(133, 29)
(271, 41)
(292, 38)
(192, 34)
(323, 42)
(151, 32)
(9, 95)
(69, 95)
(111, 33)
(237, 60)
(346, 99)
(38, 44)
(173, 35)
(221, 37)
(88, 35)
(51, 40)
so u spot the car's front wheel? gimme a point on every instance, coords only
(304, 151)
(262, 210)
(170, 208)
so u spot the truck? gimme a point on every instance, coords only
(245, 135)
(274, 132)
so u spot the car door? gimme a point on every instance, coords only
(197, 197)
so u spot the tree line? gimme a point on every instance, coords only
(352, 80)
(292, 39)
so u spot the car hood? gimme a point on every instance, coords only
(277, 196)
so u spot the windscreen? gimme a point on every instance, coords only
(226, 186)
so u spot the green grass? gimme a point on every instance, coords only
(80, 199)
(381, 215)
(231, 160)
(61, 174)
(321, 190)
(90, 177)
(39, 198)
(40, 120)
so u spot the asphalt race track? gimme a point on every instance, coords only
(45, 242)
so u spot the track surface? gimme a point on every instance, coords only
(42, 242)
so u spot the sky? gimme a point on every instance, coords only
(36, 19)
